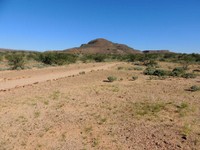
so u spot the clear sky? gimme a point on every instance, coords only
(60, 24)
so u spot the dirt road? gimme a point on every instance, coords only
(27, 77)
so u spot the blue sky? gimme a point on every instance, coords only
(60, 24)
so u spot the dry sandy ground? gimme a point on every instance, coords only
(13, 79)
(65, 110)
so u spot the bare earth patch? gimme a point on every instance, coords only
(71, 107)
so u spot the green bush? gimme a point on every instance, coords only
(99, 58)
(150, 109)
(177, 72)
(160, 72)
(149, 71)
(189, 75)
(85, 58)
(138, 68)
(47, 58)
(94, 57)
(51, 58)
(33, 56)
(155, 72)
(147, 59)
(130, 68)
(132, 58)
(151, 63)
(134, 78)
(1, 57)
(16, 61)
(112, 78)
(194, 88)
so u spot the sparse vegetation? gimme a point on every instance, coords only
(94, 57)
(189, 75)
(186, 130)
(56, 58)
(138, 68)
(176, 72)
(95, 142)
(182, 109)
(120, 68)
(112, 78)
(102, 115)
(113, 110)
(46, 102)
(155, 72)
(153, 109)
(159, 72)
(134, 78)
(99, 58)
(82, 72)
(142, 108)
(88, 129)
(36, 114)
(194, 88)
(149, 71)
(150, 63)
(55, 95)
(62, 58)
(102, 121)
(1, 57)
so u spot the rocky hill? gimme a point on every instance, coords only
(102, 46)
(98, 46)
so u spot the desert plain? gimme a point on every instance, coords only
(74, 107)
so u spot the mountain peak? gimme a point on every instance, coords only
(102, 46)
(98, 42)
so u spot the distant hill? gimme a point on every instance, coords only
(97, 46)
(4, 50)
(156, 51)
(102, 46)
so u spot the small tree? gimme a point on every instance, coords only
(99, 58)
(1, 57)
(47, 58)
(16, 61)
